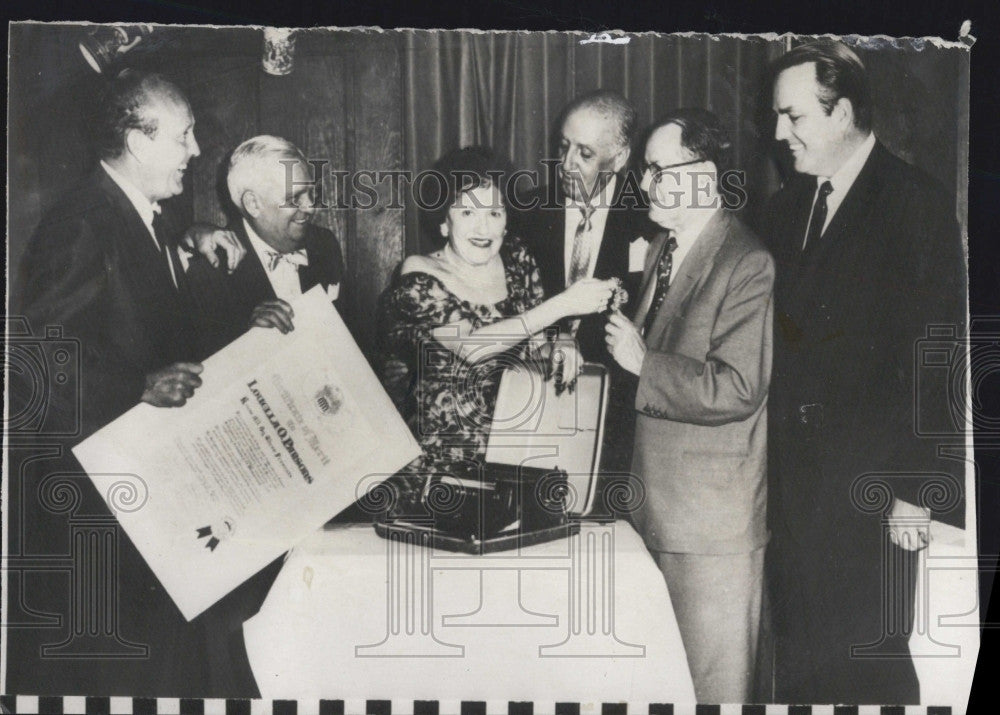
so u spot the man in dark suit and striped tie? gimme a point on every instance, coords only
(589, 225)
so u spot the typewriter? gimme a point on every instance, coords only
(538, 479)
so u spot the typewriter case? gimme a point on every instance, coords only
(539, 476)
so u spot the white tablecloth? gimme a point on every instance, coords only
(582, 619)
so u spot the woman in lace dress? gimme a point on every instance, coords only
(461, 314)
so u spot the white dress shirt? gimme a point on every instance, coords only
(842, 181)
(686, 238)
(574, 214)
(285, 276)
(143, 206)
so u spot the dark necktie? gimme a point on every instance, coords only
(174, 270)
(579, 261)
(815, 229)
(663, 269)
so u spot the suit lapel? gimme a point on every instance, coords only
(697, 263)
(313, 273)
(250, 279)
(157, 308)
(554, 228)
(138, 242)
(322, 268)
(854, 208)
(840, 236)
(649, 276)
(612, 257)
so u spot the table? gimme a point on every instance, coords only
(584, 619)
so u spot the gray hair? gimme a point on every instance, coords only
(610, 105)
(253, 159)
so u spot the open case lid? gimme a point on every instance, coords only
(534, 427)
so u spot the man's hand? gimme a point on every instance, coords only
(273, 314)
(624, 342)
(909, 525)
(206, 239)
(173, 385)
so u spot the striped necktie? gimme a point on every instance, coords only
(663, 270)
(579, 263)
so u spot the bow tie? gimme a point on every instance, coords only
(295, 258)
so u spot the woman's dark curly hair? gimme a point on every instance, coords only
(456, 172)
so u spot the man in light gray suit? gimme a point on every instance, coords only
(701, 347)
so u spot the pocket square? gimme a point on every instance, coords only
(637, 255)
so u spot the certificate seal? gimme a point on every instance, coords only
(329, 400)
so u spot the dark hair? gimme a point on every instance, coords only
(839, 73)
(124, 106)
(462, 170)
(702, 134)
(607, 103)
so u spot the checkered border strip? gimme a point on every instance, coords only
(43, 705)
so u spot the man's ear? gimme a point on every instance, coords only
(621, 158)
(137, 144)
(444, 229)
(843, 111)
(250, 203)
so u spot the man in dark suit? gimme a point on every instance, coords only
(587, 226)
(102, 267)
(701, 349)
(269, 183)
(868, 255)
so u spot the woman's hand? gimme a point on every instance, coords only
(587, 295)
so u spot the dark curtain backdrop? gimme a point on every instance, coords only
(389, 101)
(507, 91)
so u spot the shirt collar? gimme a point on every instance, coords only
(143, 205)
(262, 248)
(848, 173)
